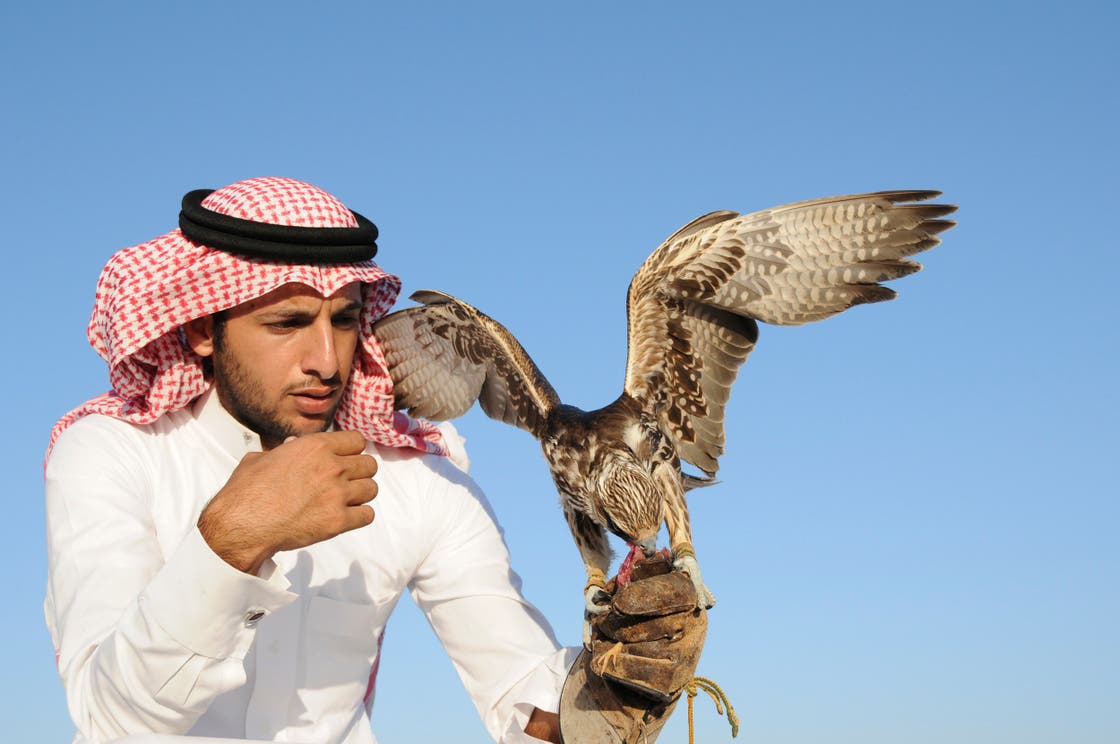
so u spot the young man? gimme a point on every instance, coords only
(230, 527)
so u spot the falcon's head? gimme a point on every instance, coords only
(629, 501)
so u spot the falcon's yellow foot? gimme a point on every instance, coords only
(685, 560)
(596, 602)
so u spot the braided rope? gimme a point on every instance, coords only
(719, 697)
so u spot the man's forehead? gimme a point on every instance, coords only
(302, 294)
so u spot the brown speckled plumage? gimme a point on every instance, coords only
(692, 309)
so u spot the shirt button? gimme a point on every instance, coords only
(253, 617)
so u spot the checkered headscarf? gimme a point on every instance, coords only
(147, 292)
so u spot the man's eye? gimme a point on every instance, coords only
(284, 325)
(346, 321)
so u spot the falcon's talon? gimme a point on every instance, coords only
(596, 602)
(687, 564)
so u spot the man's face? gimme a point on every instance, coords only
(282, 361)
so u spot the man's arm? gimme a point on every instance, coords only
(148, 635)
(502, 647)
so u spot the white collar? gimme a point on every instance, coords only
(230, 434)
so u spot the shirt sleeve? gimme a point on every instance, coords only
(501, 646)
(144, 642)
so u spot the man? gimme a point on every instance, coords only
(230, 527)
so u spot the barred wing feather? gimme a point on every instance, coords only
(693, 304)
(444, 355)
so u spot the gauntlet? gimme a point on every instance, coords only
(643, 652)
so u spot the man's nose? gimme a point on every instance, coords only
(321, 355)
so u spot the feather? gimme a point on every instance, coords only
(693, 309)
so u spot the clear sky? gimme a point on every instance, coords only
(915, 535)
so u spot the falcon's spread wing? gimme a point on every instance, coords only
(444, 355)
(692, 305)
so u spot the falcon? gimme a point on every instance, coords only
(692, 311)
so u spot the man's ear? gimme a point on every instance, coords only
(200, 335)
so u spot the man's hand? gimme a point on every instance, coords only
(307, 490)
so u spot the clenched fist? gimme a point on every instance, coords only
(307, 490)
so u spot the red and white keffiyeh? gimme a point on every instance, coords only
(148, 291)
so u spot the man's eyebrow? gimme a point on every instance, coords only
(287, 312)
(291, 313)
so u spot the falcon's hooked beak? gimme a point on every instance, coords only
(648, 546)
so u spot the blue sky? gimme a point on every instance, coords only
(914, 538)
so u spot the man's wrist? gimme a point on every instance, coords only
(543, 725)
(230, 544)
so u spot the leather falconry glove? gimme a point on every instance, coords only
(643, 652)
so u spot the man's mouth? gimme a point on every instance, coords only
(314, 400)
(316, 392)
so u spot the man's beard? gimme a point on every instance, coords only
(245, 400)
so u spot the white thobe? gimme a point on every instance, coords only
(156, 633)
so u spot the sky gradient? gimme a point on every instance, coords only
(914, 536)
